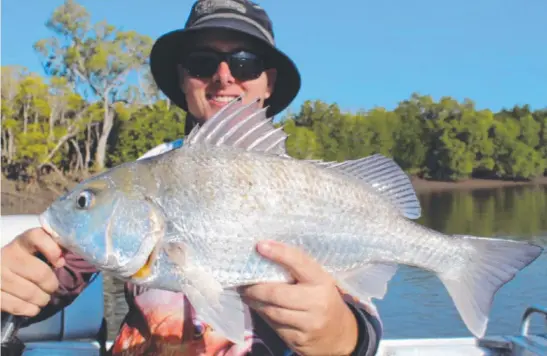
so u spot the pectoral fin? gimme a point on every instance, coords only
(221, 308)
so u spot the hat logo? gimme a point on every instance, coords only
(209, 6)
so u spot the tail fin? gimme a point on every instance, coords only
(494, 263)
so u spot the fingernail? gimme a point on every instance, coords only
(60, 262)
(265, 247)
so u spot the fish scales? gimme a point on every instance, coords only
(254, 211)
(189, 220)
(280, 199)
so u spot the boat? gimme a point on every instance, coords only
(81, 327)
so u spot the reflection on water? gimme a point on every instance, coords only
(422, 307)
(515, 211)
(417, 304)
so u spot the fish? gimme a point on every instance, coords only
(188, 220)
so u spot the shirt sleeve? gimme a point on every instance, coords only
(369, 327)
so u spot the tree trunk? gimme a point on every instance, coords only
(4, 143)
(25, 117)
(108, 123)
(51, 136)
(88, 147)
(79, 158)
(11, 145)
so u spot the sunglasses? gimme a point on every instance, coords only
(243, 65)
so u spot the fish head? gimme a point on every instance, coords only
(108, 221)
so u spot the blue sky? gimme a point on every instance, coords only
(358, 53)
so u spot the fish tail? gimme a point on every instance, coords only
(494, 262)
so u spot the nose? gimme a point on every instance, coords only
(223, 75)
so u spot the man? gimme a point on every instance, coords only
(226, 50)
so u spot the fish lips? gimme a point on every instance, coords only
(60, 238)
(108, 262)
(45, 218)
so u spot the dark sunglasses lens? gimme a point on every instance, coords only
(246, 66)
(201, 65)
(243, 65)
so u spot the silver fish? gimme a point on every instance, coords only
(188, 220)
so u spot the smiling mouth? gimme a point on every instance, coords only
(221, 98)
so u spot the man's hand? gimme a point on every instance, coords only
(28, 282)
(309, 315)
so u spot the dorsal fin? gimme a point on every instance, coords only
(384, 175)
(247, 127)
(240, 126)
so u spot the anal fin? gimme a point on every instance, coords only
(223, 311)
(369, 281)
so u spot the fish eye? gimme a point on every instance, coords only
(84, 199)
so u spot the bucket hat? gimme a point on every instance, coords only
(242, 16)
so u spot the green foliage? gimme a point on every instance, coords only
(443, 140)
(515, 157)
(146, 128)
(96, 58)
(84, 115)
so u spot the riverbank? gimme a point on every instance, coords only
(427, 186)
(18, 198)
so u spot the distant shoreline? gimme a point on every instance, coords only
(20, 199)
(428, 186)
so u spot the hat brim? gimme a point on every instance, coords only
(165, 55)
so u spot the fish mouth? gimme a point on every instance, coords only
(144, 273)
(47, 227)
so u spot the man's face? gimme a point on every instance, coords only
(207, 95)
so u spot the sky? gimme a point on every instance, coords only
(357, 53)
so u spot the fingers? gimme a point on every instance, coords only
(281, 318)
(36, 271)
(20, 259)
(37, 240)
(16, 306)
(27, 281)
(280, 304)
(23, 289)
(301, 266)
(279, 295)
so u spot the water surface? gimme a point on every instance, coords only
(417, 304)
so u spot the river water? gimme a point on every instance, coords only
(417, 304)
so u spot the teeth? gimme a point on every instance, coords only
(223, 99)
